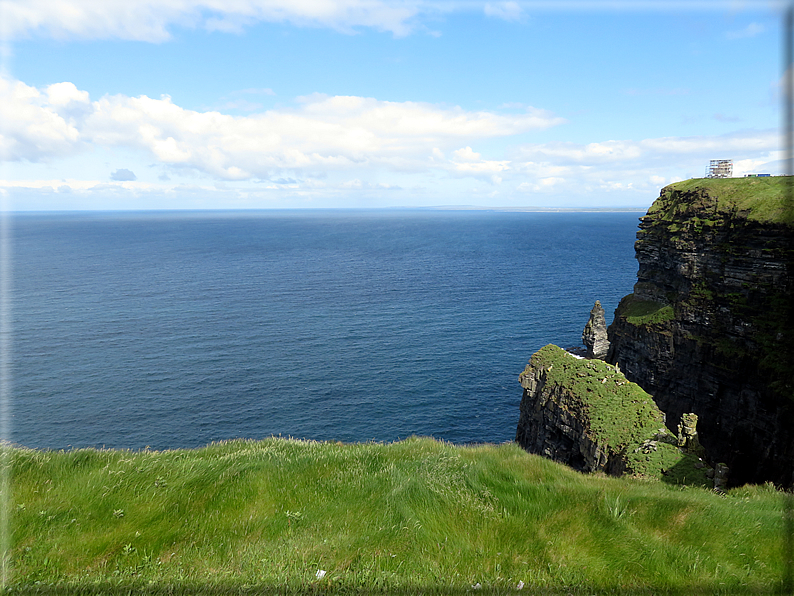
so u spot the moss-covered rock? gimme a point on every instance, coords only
(586, 414)
(639, 312)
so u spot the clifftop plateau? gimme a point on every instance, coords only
(759, 200)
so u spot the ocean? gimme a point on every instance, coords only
(176, 329)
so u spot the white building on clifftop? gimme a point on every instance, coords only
(720, 168)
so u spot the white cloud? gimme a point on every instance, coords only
(466, 162)
(323, 132)
(751, 30)
(765, 165)
(324, 147)
(636, 167)
(551, 181)
(576, 153)
(466, 155)
(509, 11)
(39, 125)
(72, 184)
(737, 143)
(647, 150)
(149, 20)
(482, 167)
(66, 94)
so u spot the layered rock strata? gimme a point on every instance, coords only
(708, 327)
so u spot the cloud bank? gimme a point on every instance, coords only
(346, 144)
(341, 132)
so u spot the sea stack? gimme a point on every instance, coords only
(594, 336)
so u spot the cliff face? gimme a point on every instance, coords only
(707, 329)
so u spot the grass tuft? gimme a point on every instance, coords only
(644, 312)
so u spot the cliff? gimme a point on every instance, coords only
(708, 327)
(586, 414)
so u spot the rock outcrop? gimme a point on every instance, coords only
(708, 327)
(586, 414)
(594, 336)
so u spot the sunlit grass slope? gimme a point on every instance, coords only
(418, 516)
(757, 199)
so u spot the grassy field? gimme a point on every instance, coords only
(417, 516)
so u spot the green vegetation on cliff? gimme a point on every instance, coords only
(756, 199)
(643, 312)
(619, 412)
(408, 517)
(708, 328)
(619, 415)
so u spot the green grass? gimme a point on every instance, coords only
(418, 516)
(644, 312)
(756, 199)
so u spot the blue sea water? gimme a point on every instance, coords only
(176, 329)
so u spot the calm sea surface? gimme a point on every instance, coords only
(174, 330)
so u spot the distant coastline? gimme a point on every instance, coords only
(310, 210)
(531, 209)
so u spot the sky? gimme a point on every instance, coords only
(258, 104)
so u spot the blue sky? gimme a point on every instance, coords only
(380, 103)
